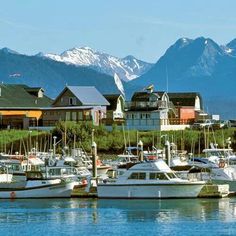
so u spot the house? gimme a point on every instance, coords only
(115, 111)
(148, 110)
(188, 105)
(20, 105)
(76, 103)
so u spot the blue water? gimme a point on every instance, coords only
(118, 217)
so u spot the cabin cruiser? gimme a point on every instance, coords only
(15, 183)
(212, 169)
(153, 179)
(216, 154)
(32, 187)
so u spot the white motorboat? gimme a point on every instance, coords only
(55, 188)
(216, 154)
(14, 184)
(216, 170)
(152, 179)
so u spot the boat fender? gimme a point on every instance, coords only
(84, 182)
(12, 195)
(221, 164)
(99, 162)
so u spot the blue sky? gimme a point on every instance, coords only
(141, 28)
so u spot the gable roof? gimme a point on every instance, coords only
(113, 99)
(18, 96)
(184, 99)
(88, 95)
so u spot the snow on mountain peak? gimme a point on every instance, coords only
(127, 68)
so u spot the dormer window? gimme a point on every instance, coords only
(72, 101)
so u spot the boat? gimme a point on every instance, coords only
(56, 188)
(83, 159)
(216, 170)
(15, 183)
(153, 179)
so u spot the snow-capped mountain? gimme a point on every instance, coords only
(127, 68)
(53, 76)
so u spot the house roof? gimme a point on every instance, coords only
(184, 99)
(112, 99)
(143, 96)
(88, 95)
(68, 108)
(33, 89)
(16, 95)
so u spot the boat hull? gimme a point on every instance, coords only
(149, 191)
(53, 189)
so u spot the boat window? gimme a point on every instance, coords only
(137, 175)
(171, 175)
(232, 162)
(161, 176)
(55, 172)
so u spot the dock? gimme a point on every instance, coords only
(208, 191)
(214, 191)
(84, 192)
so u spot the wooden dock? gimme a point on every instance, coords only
(84, 192)
(214, 191)
(208, 191)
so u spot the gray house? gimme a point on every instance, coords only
(148, 110)
(76, 103)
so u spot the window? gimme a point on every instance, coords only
(72, 101)
(143, 116)
(137, 175)
(73, 116)
(67, 115)
(172, 176)
(160, 176)
(80, 115)
(87, 115)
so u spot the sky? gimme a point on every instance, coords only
(142, 28)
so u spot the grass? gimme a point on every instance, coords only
(110, 142)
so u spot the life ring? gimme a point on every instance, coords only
(221, 164)
(152, 158)
(12, 195)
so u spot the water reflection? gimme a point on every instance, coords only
(65, 216)
(173, 210)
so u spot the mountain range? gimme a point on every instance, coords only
(127, 68)
(53, 76)
(198, 65)
(189, 65)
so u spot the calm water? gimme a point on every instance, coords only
(118, 217)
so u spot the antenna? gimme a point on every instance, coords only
(167, 80)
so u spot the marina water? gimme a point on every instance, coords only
(118, 217)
